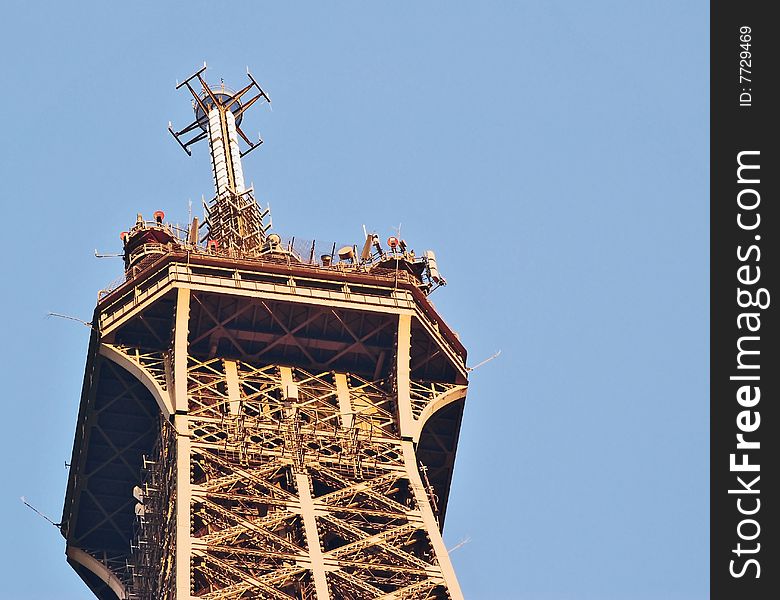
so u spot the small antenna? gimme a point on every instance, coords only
(61, 316)
(460, 544)
(484, 362)
(37, 512)
(101, 255)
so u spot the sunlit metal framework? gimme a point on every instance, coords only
(290, 431)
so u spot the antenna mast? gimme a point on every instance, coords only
(234, 220)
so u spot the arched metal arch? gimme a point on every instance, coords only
(435, 406)
(92, 564)
(160, 395)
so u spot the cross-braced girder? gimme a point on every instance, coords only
(265, 331)
(282, 458)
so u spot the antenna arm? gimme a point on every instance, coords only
(176, 137)
(191, 77)
(246, 139)
(237, 96)
(198, 98)
(186, 83)
(206, 89)
(249, 103)
(192, 126)
(196, 139)
(257, 85)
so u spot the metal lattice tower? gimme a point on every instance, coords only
(258, 424)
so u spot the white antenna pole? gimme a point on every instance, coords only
(484, 362)
(61, 316)
(37, 512)
(460, 544)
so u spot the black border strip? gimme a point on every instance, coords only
(744, 229)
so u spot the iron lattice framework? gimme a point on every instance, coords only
(255, 427)
(300, 487)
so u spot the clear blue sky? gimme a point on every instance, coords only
(553, 153)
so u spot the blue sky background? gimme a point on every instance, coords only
(554, 154)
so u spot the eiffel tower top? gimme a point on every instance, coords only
(235, 226)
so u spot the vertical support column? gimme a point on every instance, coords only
(403, 376)
(303, 483)
(233, 387)
(181, 423)
(346, 413)
(402, 372)
(289, 389)
(429, 519)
